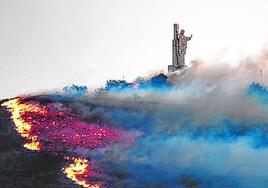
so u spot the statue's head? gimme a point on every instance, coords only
(182, 31)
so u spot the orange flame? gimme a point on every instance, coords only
(22, 127)
(76, 171)
(78, 168)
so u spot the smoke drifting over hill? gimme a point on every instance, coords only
(205, 126)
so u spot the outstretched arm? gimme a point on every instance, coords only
(189, 38)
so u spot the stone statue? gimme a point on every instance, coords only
(179, 46)
(183, 42)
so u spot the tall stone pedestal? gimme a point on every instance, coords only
(173, 68)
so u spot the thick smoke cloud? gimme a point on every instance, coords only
(205, 126)
(206, 131)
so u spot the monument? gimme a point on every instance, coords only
(179, 46)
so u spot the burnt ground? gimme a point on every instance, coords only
(26, 169)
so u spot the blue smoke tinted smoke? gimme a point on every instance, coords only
(208, 164)
(75, 90)
(258, 92)
(197, 132)
(177, 151)
(224, 155)
(156, 83)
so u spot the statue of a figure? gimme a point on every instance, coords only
(179, 46)
(183, 43)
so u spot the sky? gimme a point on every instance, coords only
(46, 45)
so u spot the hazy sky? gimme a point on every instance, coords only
(52, 43)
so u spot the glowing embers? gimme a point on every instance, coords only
(55, 131)
(61, 133)
(33, 144)
(22, 127)
(78, 171)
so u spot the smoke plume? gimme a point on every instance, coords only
(205, 126)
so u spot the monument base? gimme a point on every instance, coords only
(173, 68)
